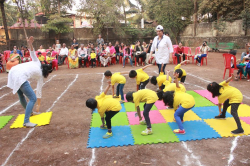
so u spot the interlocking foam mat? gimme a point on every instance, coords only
(199, 123)
(4, 120)
(207, 95)
(41, 120)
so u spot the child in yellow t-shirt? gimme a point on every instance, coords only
(49, 59)
(182, 72)
(120, 80)
(228, 96)
(105, 105)
(41, 57)
(149, 97)
(141, 77)
(168, 86)
(160, 79)
(93, 58)
(176, 98)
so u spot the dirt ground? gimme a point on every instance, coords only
(64, 141)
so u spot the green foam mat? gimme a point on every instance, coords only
(199, 100)
(162, 133)
(120, 119)
(4, 120)
(130, 107)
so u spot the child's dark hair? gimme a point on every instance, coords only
(153, 80)
(129, 96)
(46, 69)
(91, 103)
(214, 88)
(132, 74)
(162, 86)
(160, 94)
(168, 98)
(92, 50)
(179, 71)
(107, 73)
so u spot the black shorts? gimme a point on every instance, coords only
(183, 78)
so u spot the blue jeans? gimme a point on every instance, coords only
(124, 59)
(178, 115)
(28, 91)
(200, 57)
(242, 55)
(119, 89)
(163, 69)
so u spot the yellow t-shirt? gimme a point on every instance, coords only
(41, 58)
(183, 71)
(162, 78)
(183, 99)
(93, 55)
(144, 95)
(229, 92)
(105, 104)
(172, 86)
(117, 78)
(72, 52)
(49, 59)
(141, 76)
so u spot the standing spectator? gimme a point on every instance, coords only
(75, 44)
(180, 52)
(99, 40)
(163, 48)
(82, 55)
(18, 51)
(140, 53)
(41, 49)
(26, 55)
(148, 50)
(58, 46)
(63, 54)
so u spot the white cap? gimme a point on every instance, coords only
(159, 28)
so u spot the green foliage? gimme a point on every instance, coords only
(10, 13)
(245, 14)
(219, 25)
(57, 24)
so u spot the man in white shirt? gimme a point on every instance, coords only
(82, 54)
(63, 54)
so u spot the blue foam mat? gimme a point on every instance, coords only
(122, 110)
(208, 112)
(122, 136)
(195, 130)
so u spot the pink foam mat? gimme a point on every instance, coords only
(155, 117)
(246, 119)
(207, 95)
(160, 105)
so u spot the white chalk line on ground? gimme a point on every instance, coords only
(3, 87)
(31, 130)
(92, 160)
(184, 144)
(5, 95)
(3, 111)
(231, 156)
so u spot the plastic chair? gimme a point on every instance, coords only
(124, 53)
(227, 63)
(6, 55)
(2, 69)
(187, 50)
(174, 57)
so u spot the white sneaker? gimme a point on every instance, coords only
(198, 64)
(147, 132)
(29, 124)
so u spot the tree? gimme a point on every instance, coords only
(49, 7)
(5, 23)
(245, 19)
(58, 24)
(10, 14)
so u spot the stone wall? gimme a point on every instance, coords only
(205, 32)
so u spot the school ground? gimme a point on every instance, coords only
(64, 140)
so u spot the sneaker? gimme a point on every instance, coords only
(122, 101)
(178, 131)
(107, 135)
(103, 127)
(147, 132)
(115, 96)
(220, 117)
(238, 131)
(123, 66)
(198, 64)
(29, 124)
(143, 122)
(34, 113)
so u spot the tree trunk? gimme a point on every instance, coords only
(59, 7)
(125, 15)
(195, 17)
(5, 25)
(19, 6)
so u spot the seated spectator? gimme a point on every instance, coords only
(117, 51)
(180, 52)
(82, 55)
(93, 58)
(111, 50)
(127, 54)
(140, 53)
(17, 50)
(148, 49)
(122, 47)
(248, 70)
(51, 60)
(144, 45)
(99, 51)
(63, 54)
(241, 70)
(203, 52)
(75, 44)
(26, 55)
(41, 49)
(22, 50)
(73, 58)
(58, 46)
(13, 60)
(54, 47)
(105, 56)
(1, 61)
(41, 57)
